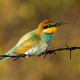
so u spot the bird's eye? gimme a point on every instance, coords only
(47, 26)
(50, 25)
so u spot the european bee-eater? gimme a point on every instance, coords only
(36, 41)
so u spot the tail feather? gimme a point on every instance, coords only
(4, 58)
(8, 53)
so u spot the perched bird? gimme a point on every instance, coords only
(34, 42)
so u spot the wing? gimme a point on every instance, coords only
(25, 37)
(27, 44)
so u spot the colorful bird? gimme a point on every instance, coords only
(34, 42)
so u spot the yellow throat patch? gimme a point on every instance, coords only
(50, 30)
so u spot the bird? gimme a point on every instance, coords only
(34, 43)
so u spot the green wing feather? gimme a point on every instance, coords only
(27, 44)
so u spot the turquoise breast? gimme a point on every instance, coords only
(47, 38)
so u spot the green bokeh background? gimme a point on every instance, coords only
(17, 17)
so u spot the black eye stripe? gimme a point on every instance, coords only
(48, 26)
(45, 27)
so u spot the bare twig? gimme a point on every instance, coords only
(60, 49)
(44, 55)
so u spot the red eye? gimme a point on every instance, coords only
(49, 25)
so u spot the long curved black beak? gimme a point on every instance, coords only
(59, 24)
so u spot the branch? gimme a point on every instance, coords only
(60, 49)
(47, 52)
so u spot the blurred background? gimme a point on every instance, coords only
(17, 17)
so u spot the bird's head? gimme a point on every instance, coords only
(48, 27)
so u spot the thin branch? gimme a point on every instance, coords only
(61, 49)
